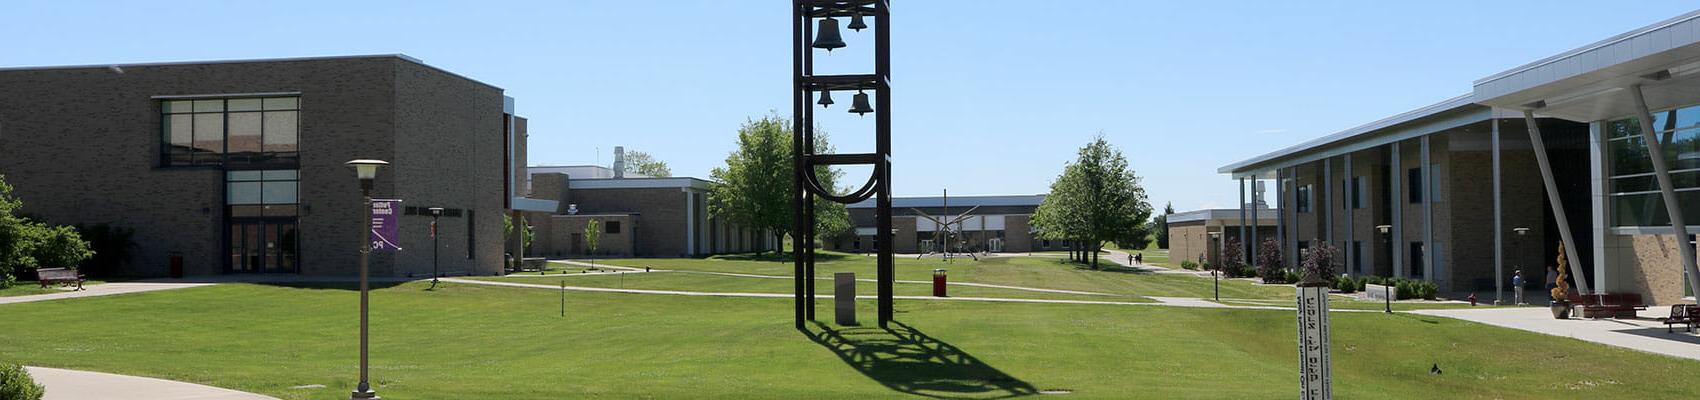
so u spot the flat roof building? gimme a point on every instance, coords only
(237, 166)
(638, 216)
(996, 224)
(1556, 151)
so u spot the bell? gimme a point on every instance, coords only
(825, 99)
(856, 23)
(859, 104)
(828, 35)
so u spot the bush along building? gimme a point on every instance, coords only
(990, 223)
(1584, 148)
(233, 167)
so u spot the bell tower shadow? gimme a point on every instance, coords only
(906, 360)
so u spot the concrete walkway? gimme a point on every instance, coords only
(104, 289)
(1644, 334)
(65, 384)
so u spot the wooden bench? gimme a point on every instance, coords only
(1608, 305)
(1685, 314)
(59, 275)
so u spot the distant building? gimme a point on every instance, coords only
(1198, 235)
(1000, 224)
(638, 216)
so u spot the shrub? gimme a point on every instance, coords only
(1269, 260)
(1189, 265)
(1290, 276)
(1345, 284)
(1231, 257)
(16, 384)
(1319, 259)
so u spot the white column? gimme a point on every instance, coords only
(1348, 191)
(1397, 177)
(1498, 223)
(1597, 195)
(1242, 220)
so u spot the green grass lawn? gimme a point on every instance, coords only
(702, 282)
(469, 341)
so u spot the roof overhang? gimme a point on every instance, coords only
(1589, 83)
(1451, 113)
(535, 205)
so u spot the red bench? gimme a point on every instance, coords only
(1686, 314)
(67, 276)
(1608, 305)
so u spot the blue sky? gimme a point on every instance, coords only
(991, 97)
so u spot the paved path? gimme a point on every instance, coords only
(65, 384)
(1643, 334)
(104, 289)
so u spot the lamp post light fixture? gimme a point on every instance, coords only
(367, 172)
(436, 212)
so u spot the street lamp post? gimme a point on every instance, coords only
(1386, 290)
(1215, 279)
(436, 212)
(367, 171)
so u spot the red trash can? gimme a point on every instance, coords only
(938, 282)
(177, 266)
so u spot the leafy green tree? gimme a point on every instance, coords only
(1160, 226)
(28, 244)
(754, 187)
(592, 236)
(1097, 198)
(638, 162)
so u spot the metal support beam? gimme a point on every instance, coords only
(882, 67)
(1661, 170)
(1327, 206)
(1253, 245)
(1498, 223)
(799, 45)
(1557, 203)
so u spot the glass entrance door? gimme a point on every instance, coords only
(263, 246)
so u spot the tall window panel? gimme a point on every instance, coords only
(251, 132)
(1635, 195)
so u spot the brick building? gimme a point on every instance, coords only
(1200, 235)
(998, 224)
(1560, 150)
(237, 166)
(638, 216)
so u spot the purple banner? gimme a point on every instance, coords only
(385, 225)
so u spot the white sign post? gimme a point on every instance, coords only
(1315, 380)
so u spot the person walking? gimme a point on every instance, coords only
(1517, 287)
(1552, 279)
(1139, 258)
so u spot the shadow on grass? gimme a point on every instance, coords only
(783, 257)
(906, 360)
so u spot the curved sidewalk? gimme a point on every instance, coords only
(65, 384)
(104, 289)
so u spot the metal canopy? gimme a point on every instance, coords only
(1588, 83)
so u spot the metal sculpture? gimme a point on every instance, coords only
(806, 186)
(944, 233)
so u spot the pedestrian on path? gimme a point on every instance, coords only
(1517, 287)
(1139, 258)
(1552, 278)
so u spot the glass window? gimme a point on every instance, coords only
(209, 105)
(1635, 193)
(209, 137)
(1414, 182)
(244, 140)
(611, 227)
(282, 103)
(244, 104)
(230, 132)
(280, 133)
(244, 193)
(279, 192)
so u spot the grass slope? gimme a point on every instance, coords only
(467, 341)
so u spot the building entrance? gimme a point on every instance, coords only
(264, 245)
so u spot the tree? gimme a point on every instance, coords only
(1270, 265)
(638, 162)
(592, 235)
(1319, 260)
(1097, 198)
(1160, 225)
(26, 244)
(508, 229)
(754, 187)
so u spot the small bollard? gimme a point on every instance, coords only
(844, 298)
(938, 282)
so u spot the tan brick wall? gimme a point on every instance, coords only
(1646, 264)
(1188, 241)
